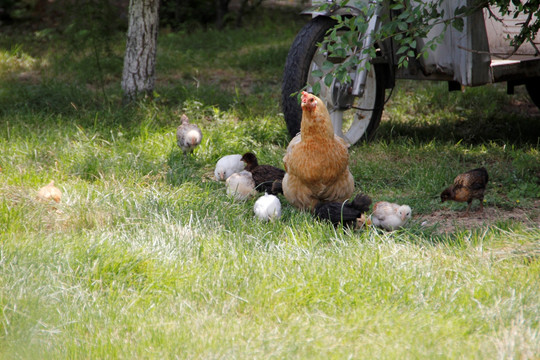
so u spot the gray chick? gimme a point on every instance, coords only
(188, 136)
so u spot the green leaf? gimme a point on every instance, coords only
(458, 24)
(327, 65)
(317, 73)
(402, 49)
(328, 79)
(316, 88)
(402, 26)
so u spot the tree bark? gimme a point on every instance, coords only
(138, 77)
(222, 7)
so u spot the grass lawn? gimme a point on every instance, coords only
(147, 257)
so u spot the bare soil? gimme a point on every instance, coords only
(448, 221)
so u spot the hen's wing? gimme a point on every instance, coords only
(295, 141)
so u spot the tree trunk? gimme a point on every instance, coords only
(138, 77)
(222, 8)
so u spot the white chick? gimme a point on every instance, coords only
(267, 207)
(49, 192)
(390, 216)
(228, 165)
(241, 185)
(188, 136)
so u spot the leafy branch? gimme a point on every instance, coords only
(405, 22)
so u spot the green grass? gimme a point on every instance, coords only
(147, 257)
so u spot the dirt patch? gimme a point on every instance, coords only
(448, 221)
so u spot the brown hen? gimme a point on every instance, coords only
(467, 187)
(317, 160)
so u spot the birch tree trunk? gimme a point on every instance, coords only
(138, 77)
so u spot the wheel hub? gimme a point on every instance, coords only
(341, 94)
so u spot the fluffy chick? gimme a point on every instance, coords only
(49, 192)
(346, 212)
(390, 216)
(263, 175)
(228, 165)
(267, 207)
(241, 185)
(467, 187)
(188, 136)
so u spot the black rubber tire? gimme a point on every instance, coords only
(533, 88)
(297, 67)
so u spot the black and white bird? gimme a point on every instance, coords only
(188, 136)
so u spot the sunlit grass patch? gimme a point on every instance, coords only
(147, 257)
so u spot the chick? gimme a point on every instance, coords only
(346, 213)
(267, 207)
(228, 165)
(188, 136)
(390, 216)
(263, 175)
(467, 187)
(277, 187)
(49, 192)
(241, 185)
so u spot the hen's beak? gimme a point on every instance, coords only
(305, 97)
(308, 102)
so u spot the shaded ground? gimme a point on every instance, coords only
(447, 221)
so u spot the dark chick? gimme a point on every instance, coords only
(277, 187)
(467, 187)
(345, 213)
(263, 175)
